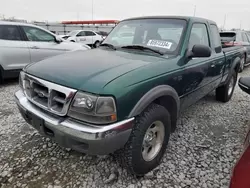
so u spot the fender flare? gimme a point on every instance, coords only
(154, 94)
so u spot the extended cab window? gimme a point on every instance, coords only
(160, 34)
(35, 34)
(9, 32)
(198, 35)
(216, 38)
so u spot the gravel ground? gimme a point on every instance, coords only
(201, 152)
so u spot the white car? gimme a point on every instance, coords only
(90, 38)
(21, 44)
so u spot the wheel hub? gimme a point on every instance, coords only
(231, 86)
(153, 140)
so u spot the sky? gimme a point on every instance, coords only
(235, 13)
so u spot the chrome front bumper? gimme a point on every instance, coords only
(80, 136)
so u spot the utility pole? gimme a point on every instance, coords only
(225, 18)
(77, 16)
(240, 24)
(194, 10)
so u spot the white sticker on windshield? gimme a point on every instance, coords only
(160, 44)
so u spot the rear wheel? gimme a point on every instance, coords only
(1, 77)
(242, 64)
(97, 44)
(148, 141)
(224, 93)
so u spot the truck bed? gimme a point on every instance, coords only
(232, 48)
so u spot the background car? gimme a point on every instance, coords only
(241, 171)
(21, 44)
(238, 38)
(90, 38)
(104, 34)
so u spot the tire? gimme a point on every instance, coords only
(224, 93)
(131, 156)
(1, 78)
(96, 44)
(242, 63)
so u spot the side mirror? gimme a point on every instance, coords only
(58, 39)
(200, 51)
(244, 84)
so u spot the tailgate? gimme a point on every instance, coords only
(227, 38)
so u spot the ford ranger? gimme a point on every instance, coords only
(125, 97)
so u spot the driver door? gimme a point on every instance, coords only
(197, 82)
(42, 44)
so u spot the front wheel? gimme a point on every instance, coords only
(224, 93)
(148, 141)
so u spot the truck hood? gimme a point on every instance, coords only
(71, 46)
(89, 70)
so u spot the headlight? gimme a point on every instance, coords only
(93, 109)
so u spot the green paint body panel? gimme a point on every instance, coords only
(127, 75)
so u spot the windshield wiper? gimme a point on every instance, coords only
(139, 47)
(108, 45)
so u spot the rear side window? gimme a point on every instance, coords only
(244, 37)
(10, 32)
(239, 37)
(199, 35)
(89, 33)
(215, 36)
(81, 34)
(248, 36)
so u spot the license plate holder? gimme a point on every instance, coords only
(36, 121)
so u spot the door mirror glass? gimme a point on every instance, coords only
(244, 84)
(200, 50)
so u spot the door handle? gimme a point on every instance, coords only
(35, 47)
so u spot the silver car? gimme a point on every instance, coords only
(21, 44)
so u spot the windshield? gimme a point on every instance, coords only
(73, 33)
(159, 34)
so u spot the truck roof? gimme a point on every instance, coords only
(188, 18)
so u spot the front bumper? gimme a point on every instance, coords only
(80, 136)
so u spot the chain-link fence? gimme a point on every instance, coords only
(62, 29)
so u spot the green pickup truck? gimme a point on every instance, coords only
(125, 97)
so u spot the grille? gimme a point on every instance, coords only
(46, 95)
